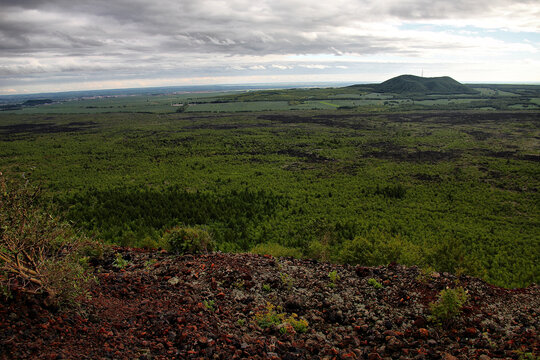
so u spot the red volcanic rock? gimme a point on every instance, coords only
(248, 306)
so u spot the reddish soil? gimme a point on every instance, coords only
(165, 307)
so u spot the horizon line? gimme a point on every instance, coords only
(282, 83)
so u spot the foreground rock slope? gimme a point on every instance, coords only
(215, 306)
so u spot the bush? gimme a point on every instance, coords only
(448, 305)
(276, 250)
(379, 248)
(187, 240)
(320, 250)
(38, 254)
(451, 255)
(148, 243)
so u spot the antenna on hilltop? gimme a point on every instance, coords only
(422, 72)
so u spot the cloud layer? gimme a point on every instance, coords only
(69, 41)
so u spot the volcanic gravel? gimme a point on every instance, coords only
(191, 307)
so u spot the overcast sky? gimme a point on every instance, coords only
(59, 45)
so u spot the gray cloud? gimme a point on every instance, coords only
(72, 36)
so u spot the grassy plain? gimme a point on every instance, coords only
(349, 175)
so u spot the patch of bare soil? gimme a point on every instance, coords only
(390, 151)
(46, 128)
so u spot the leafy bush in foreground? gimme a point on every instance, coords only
(38, 254)
(187, 240)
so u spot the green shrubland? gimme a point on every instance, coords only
(454, 190)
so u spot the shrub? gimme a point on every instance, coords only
(319, 250)
(276, 250)
(148, 243)
(378, 248)
(448, 305)
(451, 255)
(187, 240)
(38, 254)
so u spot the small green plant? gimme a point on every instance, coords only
(526, 355)
(241, 322)
(286, 280)
(187, 240)
(425, 274)
(334, 277)
(271, 316)
(209, 304)
(120, 262)
(239, 284)
(375, 283)
(266, 288)
(448, 305)
(268, 317)
(148, 263)
(299, 325)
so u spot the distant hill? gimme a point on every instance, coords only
(411, 84)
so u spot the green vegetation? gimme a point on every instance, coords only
(428, 180)
(421, 85)
(276, 250)
(187, 240)
(286, 280)
(38, 254)
(334, 277)
(209, 305)
(523, 355)
(271, 317)
(448, 305)
(120, 262)
(375, 283)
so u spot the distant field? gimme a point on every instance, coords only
(498, 97)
